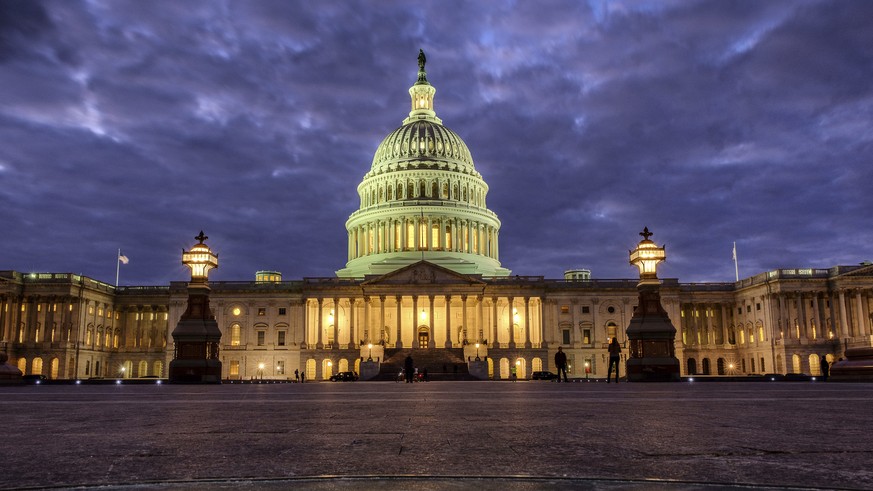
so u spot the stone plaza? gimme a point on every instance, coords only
(440, 435)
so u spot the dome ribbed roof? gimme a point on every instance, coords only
(422, 140)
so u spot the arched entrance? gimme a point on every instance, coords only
(423, 337)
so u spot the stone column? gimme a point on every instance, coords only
(382, 314)
(801, 316)
(510, 317)
(399, 300)
(708, 311)
(320, 344)
(448, 299)
(862, 324)
(353, 325)
(480, 327)
(431, 342)
(527, 343)
(844, 322)
(464, 324)
(336, 320)
(495, 342)
(816, 324)
(366, 323)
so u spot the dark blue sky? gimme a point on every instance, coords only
(134, 125)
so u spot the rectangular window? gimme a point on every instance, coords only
(262, 336)
(280, 338)
(748, 308)
(565, 309)
(280, 367)
(234, 368)
(586, 336)
(282, 311)
(757, 306)
(586, 309)
(565, 334)
(262, 311)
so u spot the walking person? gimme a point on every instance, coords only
(561, 364)
(825, 368)
(296, 376)
(409, 367)
(614, 358)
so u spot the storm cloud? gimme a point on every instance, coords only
(134, 125)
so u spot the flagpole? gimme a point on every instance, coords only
(117, 266)
(736, 265)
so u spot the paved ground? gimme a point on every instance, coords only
(439, 435)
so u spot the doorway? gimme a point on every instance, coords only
(423, 337)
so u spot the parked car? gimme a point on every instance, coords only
(33, 379)
(344, 377)
(543, 376)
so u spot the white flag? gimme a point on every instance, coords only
(123, 259)
(734, 258)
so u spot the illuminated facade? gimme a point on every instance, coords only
(423, 273)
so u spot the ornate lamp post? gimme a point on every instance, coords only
(196, 336)
(650, 332)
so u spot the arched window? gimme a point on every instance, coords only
(343, 365)
(234, 334)
(692, 366)
(22, 365)
(536, 365)
(421, 189)
(55, 368)
(434, 190)
(521, 368)
(36, 367)
(814, 365)
(326, 369)
(142, 369)
(611, 329)
(719, 364)
(410, 190)
(445, 193)
(705, 366)
(159, 368)
(504, 368)
(390, 193)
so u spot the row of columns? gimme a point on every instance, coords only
(381, 194)
(355, 327)
(453, 234)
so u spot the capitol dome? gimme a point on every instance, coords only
(422, 200)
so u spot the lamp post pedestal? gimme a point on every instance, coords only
(651, 336)
(650, 332)
(196, 336)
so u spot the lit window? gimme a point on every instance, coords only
(565, 309)
(280, 367)
(234, 368)
(262, 311)
(234, 335)
(280, 338)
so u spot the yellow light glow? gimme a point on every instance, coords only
(330, 363)
(236, 311)
(423, 315)
(477, 345)
(518, 362)
(370, 345)
(260, 366)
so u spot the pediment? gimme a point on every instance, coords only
(423, 273)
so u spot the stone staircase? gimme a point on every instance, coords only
(441, 363)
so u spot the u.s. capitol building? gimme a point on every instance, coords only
(423, 275)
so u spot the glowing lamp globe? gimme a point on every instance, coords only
(647, 256)
(200, 259)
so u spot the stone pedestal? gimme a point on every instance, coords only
(857, 367)
(196, 338)
(651, 338)
(9, 375)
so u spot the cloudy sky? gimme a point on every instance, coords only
(134, 125)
